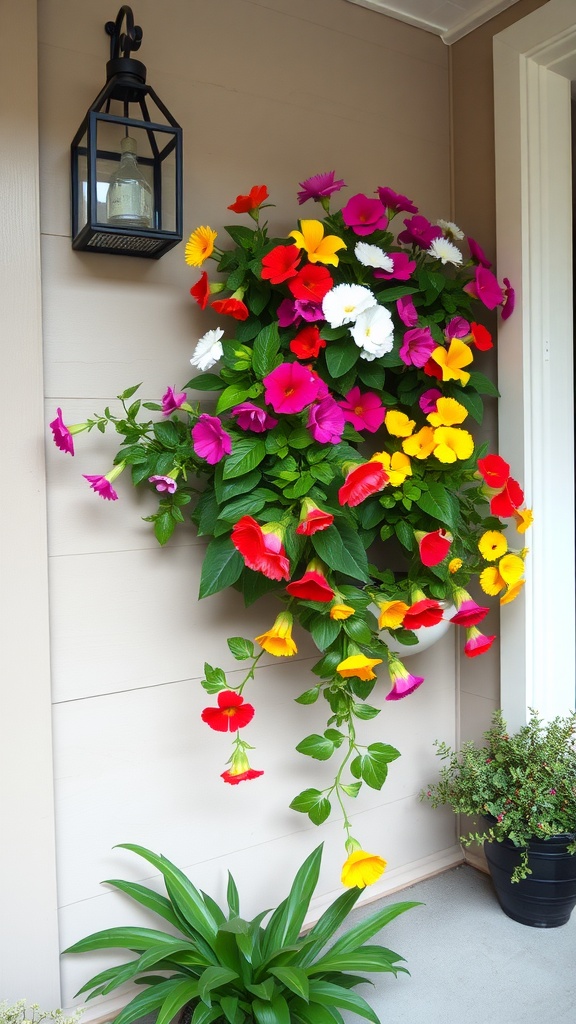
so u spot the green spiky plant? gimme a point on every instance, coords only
(219, 967)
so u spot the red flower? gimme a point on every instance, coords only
(434, 546)
(280, 264)
(481, 337)
(231, 714)
(494, 470)
(257, 195)
(432, 369)
(201, 290)
(366, 479)
(307, 343)
(423, 613)
(233, 779)
(312, 283)
(231, 307)
(312, 587)
(261, 551)
(316, 519)
(476, 642)
(505, 503)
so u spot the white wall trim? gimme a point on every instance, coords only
(534, 61)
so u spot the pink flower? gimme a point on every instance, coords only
(486, 288)
(407, 311)
(477, 254)
(404, 682)
(457, 327)
(62, 437)
(476, 642)
(287, 313)
(509, 300)
(364, 215)
(419, 231)
(252, 417)
(428, 400)
(172, 400)
(363, 411)
(290, 388)
(102, 486)
(210, 440)
(163, 483)
(417, 346)
(309, 310)
(468, 612)
(261, 550)
(326, 421)
(319, 186)
(403, 268)
(395, 202)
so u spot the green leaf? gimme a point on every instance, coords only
(232, 395)
(211, 978)
(323, 631)
(274, 1012)
(241, 235)
(372, 767)
(309, 696)
(244, 504)
(206, 382)
(183, 993)
(313, 803)
(129, 392)
(221, 567)
(240, 648)
(293, 978)
(205, 1014)
(286, 922)
(137, 939)
(365, 712)
(166, 434)
(341, 356)
(483, 385)
(229, 1006)
(405, 534)
(342, 550)
(147, 897)
(328, 924)
(328, 994)
(266, 347)
(473, 404)
(247, 453)
(366, 958)
(146, 1002)
(352, 789)
(366, 929)
(436, 502)
(164, 527)
(232, 897)
(316, 746)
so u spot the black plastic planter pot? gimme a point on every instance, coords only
(545, 898)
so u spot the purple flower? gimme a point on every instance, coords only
(163, 483)
(309, 310)
(102, 486)
(477, 254)
(403, 268)
(404, 681)
(428, 400)
(291, 312)
(252, 417)
(509, 300)
(395, 203)
(407, 311)
(486, 288)
(210, 440)
(419, 231)
(417, 347)
(287, 313)
(319, 186)
(326, 421)
(458, 327)
(62, 437)
(364, 215)
(172, 400)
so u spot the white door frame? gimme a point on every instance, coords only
(534, 63)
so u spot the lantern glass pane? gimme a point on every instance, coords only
(81, 160)
(133, 179)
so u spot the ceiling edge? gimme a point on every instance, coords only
(452, 35)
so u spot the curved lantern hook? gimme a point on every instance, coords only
(125, 41)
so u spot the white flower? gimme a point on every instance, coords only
(443, 250)
(208, 350)
(450, 229)
(373, 332)
(344, 303)
(373, 256)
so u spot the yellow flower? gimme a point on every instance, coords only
(523, 518)
(341, 611)
(452, 359)
(320, 248)
(511, 569)
(448, 412)
(512, 592)
(361, 869)
(396, 465)
(398, 424)
(420, 445)
(491, 581)
(278, 640)
(358, 665)
(200, 246)
(454, 564)
(391, 614)
(492, 545)
(452, 443)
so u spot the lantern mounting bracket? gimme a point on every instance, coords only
(125, 41)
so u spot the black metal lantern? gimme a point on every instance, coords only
(127, 167)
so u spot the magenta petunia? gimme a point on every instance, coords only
(428, 400)
(319, 186)
(457, 327)
(364, 215)
(395, 202)
(407, 311)
(404, 682)
(363, 411)
(486, 288)
(403, 268)
(477, 254)
(326, 421)
(310, 311)
(102, 486)
(290, 388)
(419, 231)
(476, 642)
(163, 484)
(210, 440)
(252, 417)
(172, 401)
(509, 300)
(417, 346)
(469, 613)
(62, 437)
(287, 313)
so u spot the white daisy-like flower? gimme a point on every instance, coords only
(208, 350)
(445, 251)
(373, 256)
(450, 229)
(373, 332)
(344, 303)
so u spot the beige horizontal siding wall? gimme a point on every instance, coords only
(267, 91)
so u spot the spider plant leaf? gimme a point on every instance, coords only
(214, 977)
(366, 958)
(232, 897)
(229, 1006)
(327, 924)
(327, 994)
(146, 1002)
(287, 920)
(183, 993)
(275, 1011)
(293, 978)
(147, 897)
(358, 934)
(138, 939)
(205, 1014)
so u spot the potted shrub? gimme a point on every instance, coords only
(215, 966)
(524, 787)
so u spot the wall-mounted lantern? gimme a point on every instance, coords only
(127, 166)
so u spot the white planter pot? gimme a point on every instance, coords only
(427, 635)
